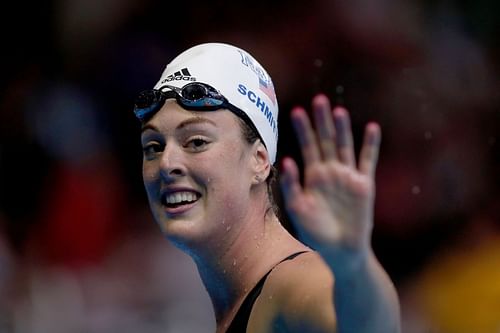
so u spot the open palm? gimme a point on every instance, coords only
(333, 209)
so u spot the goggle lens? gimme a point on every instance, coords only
(197, 95)
(194, 92)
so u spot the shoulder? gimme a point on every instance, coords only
(297, 296)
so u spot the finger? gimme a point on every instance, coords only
(324, 124)
(368, 156)
(290, 181)
(345, 146)
(305, 134)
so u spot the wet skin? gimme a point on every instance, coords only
(198, 155)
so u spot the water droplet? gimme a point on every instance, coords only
(224, 272)
(223, 221)
(415, 190)
(228, 228)
(234, 262)
(270, 296)
(318, 63)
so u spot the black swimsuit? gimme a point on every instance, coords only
(240, 321)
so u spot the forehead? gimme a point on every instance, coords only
(172, 116)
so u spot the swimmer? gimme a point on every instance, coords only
(209, 138)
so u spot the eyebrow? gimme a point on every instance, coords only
(148, 126)
(196, 120)
(187, 122)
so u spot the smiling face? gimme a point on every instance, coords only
(198, 173)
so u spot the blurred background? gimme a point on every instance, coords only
(79, 251)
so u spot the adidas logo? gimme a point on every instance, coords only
(182, 75)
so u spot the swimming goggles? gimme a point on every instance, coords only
(194, 96)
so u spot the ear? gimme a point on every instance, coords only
(261, 167)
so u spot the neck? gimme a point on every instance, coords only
(230, 273)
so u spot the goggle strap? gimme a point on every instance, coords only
(142, 113)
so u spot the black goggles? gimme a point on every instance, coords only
(194, 96)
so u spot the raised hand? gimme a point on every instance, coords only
(333, 209)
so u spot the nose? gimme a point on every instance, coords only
(172, 164)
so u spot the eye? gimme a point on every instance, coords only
(197, 143)
(151, 149)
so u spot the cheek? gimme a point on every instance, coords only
(150, 179)
(227, 168)
(229, 181)
(219, 175)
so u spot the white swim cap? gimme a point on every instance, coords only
(237, 76)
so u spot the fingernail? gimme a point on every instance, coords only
(340, 127)
(320, 99)
(373, 138)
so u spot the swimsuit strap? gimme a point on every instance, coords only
(240, 321)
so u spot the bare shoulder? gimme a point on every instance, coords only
(297, 296)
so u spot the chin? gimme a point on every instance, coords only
(186, 234)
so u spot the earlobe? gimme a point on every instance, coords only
(257, 179)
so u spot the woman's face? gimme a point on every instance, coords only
(197, 174)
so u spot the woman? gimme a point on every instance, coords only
(209, 136)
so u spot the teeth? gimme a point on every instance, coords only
(178, 197)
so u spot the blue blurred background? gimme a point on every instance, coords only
(79, 251)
